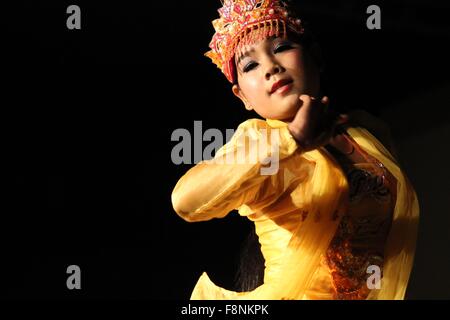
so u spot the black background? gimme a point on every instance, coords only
(87, 118)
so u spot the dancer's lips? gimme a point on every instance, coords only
(281, 86)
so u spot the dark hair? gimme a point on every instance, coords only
(250, 273)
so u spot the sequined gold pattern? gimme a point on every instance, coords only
(359, 240)
(348, 261)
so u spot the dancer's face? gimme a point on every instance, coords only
(262, 65)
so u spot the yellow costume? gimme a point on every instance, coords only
(302, 215)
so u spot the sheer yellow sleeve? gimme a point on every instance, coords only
(213, 188)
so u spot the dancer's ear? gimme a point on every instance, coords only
(238, 93)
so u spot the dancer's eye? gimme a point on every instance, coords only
(283, 47)
(250, 66)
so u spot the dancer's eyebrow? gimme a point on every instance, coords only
(244, 55)
(247, 53)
